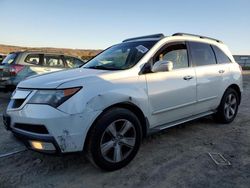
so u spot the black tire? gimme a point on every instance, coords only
(10, 88)
(101, 130)
(222, 114)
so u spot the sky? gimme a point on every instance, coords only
(97, 24)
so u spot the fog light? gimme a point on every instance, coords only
(36, 145)
(42, 145)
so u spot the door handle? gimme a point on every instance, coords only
(187, 77)
(221, 71)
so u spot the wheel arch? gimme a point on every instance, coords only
(237, 89)
(129, 106)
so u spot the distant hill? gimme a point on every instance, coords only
(84, 54)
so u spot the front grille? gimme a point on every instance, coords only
(40, 129)
(17, 103)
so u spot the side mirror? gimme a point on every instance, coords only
(162, 66)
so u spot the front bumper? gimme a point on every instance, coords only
(66, 132)
(26, 138)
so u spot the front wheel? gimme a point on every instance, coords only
(228, 108)
(114, 139)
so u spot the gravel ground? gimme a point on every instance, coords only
(177, 157)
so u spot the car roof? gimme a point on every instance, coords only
(41, 52)
(161, 36)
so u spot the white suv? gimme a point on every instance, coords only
(128, 91)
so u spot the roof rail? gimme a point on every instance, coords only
(155, 36)
(199, 36)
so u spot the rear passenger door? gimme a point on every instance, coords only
(53, 63)
(33, 63)
(208, 75)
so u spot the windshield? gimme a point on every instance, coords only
(121, 56)
(10, 58)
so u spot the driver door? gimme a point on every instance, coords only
(172, 94)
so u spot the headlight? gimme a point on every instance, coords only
(53, 97)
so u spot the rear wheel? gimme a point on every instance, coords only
(228, 108)
(114, 139)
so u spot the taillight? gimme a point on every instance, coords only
(14, 69)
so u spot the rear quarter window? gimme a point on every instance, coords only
(220, 55)
(73, 62)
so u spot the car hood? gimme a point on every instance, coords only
(55, 79)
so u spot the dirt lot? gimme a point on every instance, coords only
(177, 157)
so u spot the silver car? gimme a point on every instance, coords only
(19, 65)
(132, 89)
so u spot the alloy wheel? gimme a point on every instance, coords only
(230, 106)
(118, 140)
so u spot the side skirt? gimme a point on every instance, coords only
(174, 123)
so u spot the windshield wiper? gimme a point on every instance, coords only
(101, 67)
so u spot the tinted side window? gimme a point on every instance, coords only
(33, 59)
(53, 61)
(176, 53)
(73, 62)
(221, 56)
(202, 54)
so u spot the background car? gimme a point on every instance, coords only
(19, 65)
(2, 56)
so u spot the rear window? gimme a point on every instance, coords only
(10, 59)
